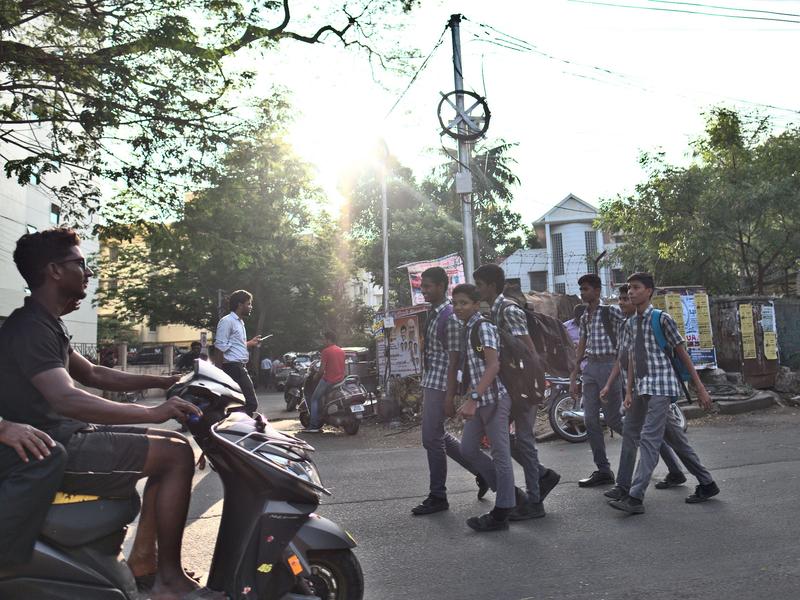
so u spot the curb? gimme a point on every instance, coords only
(731, 405)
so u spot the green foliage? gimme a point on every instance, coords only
(110, 329)
(425, 217)
(141, 92)
(729, 221)
(258, 227)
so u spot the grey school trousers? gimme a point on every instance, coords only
(652, 416)
(595, 376)
(492, 420)
(524, 448)
(439, 443)
(631, 434)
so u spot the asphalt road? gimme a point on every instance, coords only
(741, 545)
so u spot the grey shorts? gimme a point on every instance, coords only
(105, 460)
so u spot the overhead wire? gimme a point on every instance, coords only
(728, 8)
(683, 11)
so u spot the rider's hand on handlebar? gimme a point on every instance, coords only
(24, 438)
(174, 408)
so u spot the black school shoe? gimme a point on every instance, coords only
(616, 493)
(703, 493)
(486, 523)
(547, 482)
(628, 504)
(527, 510)
(671, 480)
(597, 478)
(431, 504)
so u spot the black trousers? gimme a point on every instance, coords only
(26, 493)
(238, 372)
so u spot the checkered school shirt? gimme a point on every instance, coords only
(487, 334)
(511, 318)
(597, 341)
(660, 379)
(436, 356)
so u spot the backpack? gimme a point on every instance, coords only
(441, 324)
(554, 348)
(521, 371)
(605, 316)
(677, 364)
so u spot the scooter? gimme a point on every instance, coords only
(342, 405)
(293, 394)
(271, 545)
(565, 413)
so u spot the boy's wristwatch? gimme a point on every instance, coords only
(474, 396)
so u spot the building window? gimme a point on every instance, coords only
(152, 327)
(617, 276)
(591, 250)
(538, 281)
(561, 288)
(55, 214)
(558, 254)
(514, 281)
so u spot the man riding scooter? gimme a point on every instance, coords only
(39, 368)
(333, 372)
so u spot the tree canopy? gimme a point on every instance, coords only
(257, 227)
(142, 92)
(729, 221)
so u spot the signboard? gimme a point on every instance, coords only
(405, 341)
(690, 309)
(748, 330)
(770, 331)
(451, 263)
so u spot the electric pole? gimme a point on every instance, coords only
(463, 176)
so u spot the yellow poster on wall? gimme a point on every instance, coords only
(675, 310)
(703, 320)
(770, 345)
(748, 331)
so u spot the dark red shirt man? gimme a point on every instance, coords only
(333, 370)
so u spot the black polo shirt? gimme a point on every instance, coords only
(33, 341)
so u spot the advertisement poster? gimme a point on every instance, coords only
(405, 341)
(747, 327)
(690, 309)
(451, 263)
(770, 332)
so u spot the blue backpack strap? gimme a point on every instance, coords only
(655, 322)
(441, 324)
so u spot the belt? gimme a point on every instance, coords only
(604, 357)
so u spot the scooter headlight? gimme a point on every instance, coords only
(302, 469)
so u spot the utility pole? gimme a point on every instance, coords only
(464, 176)
(385, 231)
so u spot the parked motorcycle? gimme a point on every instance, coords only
(342, 406)
(293, 390)
(270, 546)
(565, 414)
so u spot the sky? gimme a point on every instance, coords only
(584, 89)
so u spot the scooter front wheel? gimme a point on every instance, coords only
(335, 575)
(569, 429)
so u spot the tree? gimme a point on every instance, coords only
(141, 92)
(728, 220)
(499, 230)
(257, 227)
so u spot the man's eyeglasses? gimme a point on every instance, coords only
(81, 262)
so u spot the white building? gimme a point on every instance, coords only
(361, 288)
(25, 209)
(570, 245)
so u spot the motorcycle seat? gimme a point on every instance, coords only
(76, 520)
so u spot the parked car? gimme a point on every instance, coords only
(149, 355)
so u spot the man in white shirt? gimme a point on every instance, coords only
(231, 340)
(266, 372)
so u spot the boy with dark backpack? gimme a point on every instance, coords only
(652, 385)
(441, 350)
(512, 323)
(600, 328)
(486, 408)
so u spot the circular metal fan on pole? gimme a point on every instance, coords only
(466, 124)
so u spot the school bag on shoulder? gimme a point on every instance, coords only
(677, 364)
(554, 348)
(521, 371)
(605, 317)
(441, 325)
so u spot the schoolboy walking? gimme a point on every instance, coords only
(630, 434)
(486, 409)
(443, 340)
(600, 330)
(490, 281)
(649, 392)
